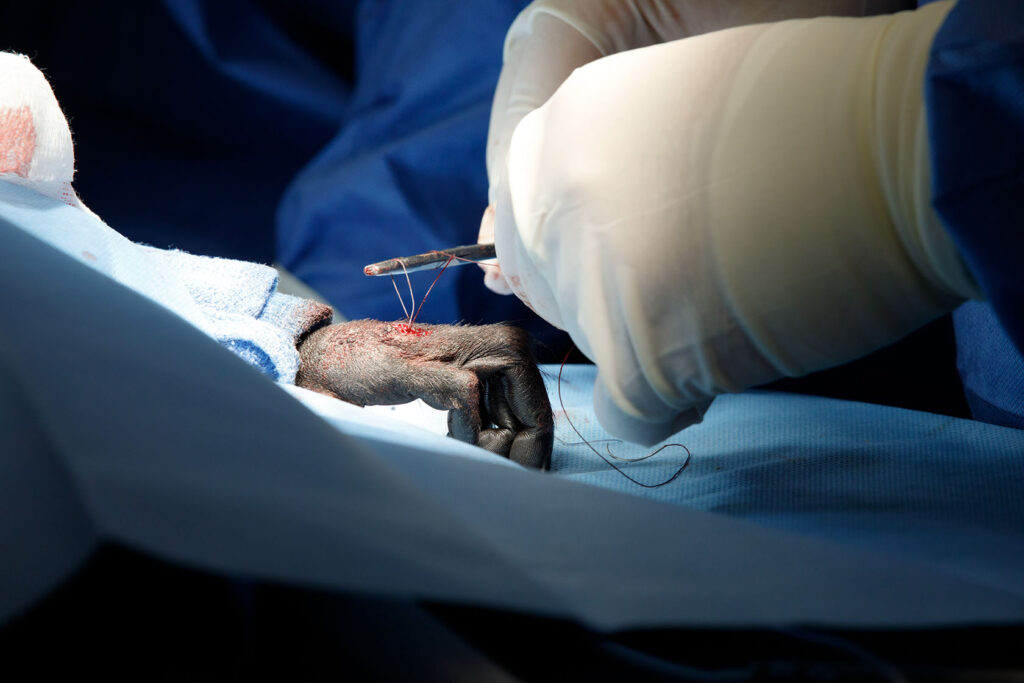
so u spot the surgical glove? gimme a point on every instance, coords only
(551, 38)
(710, 214)
(484, 376)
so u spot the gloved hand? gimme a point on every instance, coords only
(484, 376)
(551, 38)
(709, 214)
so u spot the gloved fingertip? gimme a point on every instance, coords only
(495, 281)
(486, 232)
(637, 429)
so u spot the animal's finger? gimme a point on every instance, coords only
(528, 401)
(494, 410)
(464, 425)
(444, 387)
(507, 356)
(497, 440)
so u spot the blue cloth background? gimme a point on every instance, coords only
(188, 120)
(975, 96)
(404, 173)
(991, 366)
(929, 488)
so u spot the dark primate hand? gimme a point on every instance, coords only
(484, 376)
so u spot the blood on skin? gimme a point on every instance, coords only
(406, 328)
(17, 140)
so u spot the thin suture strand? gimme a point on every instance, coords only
(399, 295)
(412, 297)
(451, 257)
(686, 463)
(429, 289)
(580, 443)
(642, 457)
(409, 314)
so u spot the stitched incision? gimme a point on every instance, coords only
(17, 140)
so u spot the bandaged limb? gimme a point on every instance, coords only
(484, 376)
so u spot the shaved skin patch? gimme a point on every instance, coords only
(17, 140)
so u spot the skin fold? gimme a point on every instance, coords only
(484, 376)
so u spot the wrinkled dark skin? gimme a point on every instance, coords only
(484, 376)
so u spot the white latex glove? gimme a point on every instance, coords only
(709, 214)
(551, 38)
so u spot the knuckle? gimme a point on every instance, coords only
(515, 341)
